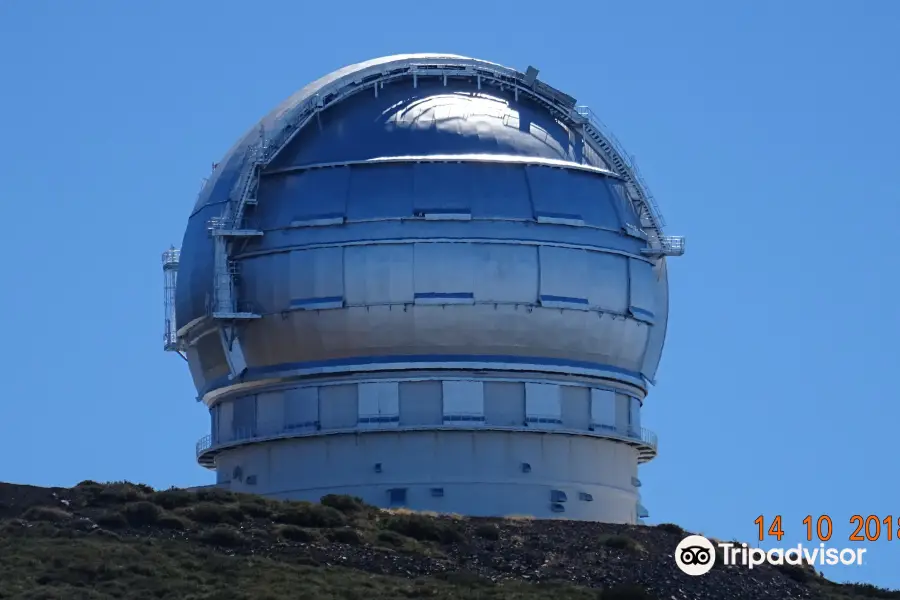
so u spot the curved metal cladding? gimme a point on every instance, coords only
(442, 263)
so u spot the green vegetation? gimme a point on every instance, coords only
(423, 527)
(121, 540)
(95, 567)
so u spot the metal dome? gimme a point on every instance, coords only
(422, 220)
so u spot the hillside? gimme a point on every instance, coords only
(128, 541)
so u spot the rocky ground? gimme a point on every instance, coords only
(128, 541)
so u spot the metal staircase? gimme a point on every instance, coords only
(170, 260)
(644, 203)
(228, 230)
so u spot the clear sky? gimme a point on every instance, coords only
(768, 130)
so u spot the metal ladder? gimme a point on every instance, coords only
(170, 261)
(226, 230)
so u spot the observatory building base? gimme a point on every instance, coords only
(476, 473)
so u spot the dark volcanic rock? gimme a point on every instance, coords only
(460, 552)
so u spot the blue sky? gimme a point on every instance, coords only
(767, 130)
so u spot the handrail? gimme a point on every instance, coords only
(648, 437)
(171, 257)
(293, 119)
(627, 160)
(672, 244)
(204, 444)
(225, 224)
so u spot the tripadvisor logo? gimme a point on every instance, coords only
(696, 555)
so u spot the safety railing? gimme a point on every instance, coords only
(170, 338)
(288, 123)
(672, 245)
(646, 436)
(171, 257)
(204, 444)
(225, 225)
(170, 260)
(293, 119)
(627, 160)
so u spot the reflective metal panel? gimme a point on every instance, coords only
(658, 333)
(571, 195)
(438, 187)
(505, 273)
(542, 404)
(498, 191)
(420, 403)
(311, 198)
(642, 293)
(563, 276)
(603, 408)
(317, 278)
(625, 209)
(623, 411)
(301, 408)
(575, 404)
(244, 419)
(604, 280)
(634, 414)
(504, 403)
(379, 274)
(338, 406)
(225, 420)
(270, 412)
(463, 401)
(379, 405)
(195, 367)
(453, 281)
(380, 191)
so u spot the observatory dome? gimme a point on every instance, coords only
(447, 255)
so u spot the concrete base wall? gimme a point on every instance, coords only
(476, 473)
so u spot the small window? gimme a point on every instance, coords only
(558, 496)
(557, 507)
(251, 480)
(237, 474)
(397, 496)
(526, 468)
(437, 492)
(378, 467)
(585, 497)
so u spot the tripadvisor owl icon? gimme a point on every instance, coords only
(695, 555)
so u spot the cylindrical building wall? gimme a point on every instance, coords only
(484, 473)
(485, 446)
(443, 300)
